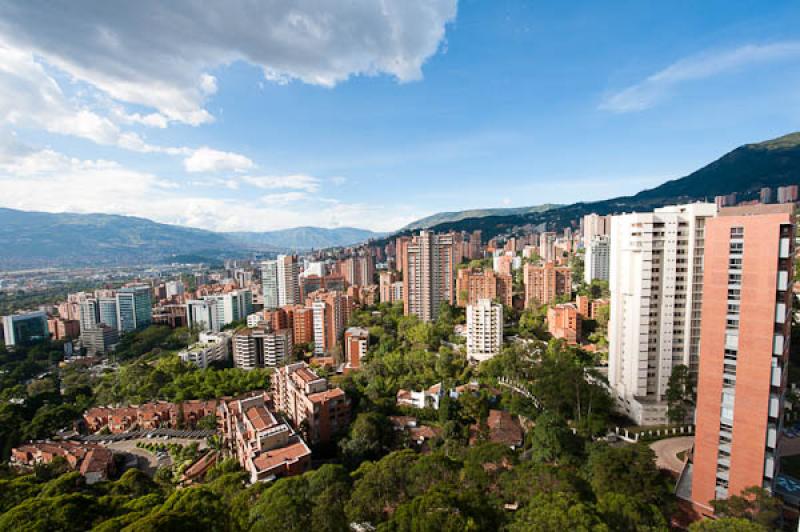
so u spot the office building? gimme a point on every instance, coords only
(656, 285)
(597, 259)
(744, 351)
(429, 274)
(484, 330)
(25, 329)
(89, 311)
(543, 284)
(134, 308)
(107, 311)
(99, 340)
(202, 314)
(269, 283)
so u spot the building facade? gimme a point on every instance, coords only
(744, 351)
(597, 259)
(656, 286)
(484, 330)
(428, 268)
(544, 283)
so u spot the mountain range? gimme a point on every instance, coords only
(744, 170)
(42, 239)
(46, 239)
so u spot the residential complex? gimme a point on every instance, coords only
(543, 284)
(475, 284)
(210, 347)
(261, 347)
(564, 321)
(305, 399)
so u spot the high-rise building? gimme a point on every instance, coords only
(596, 260)
(544, 283)
(269, 283)
(656, 285)
(174, 288)
(89, 313)
(385, 279)
(358, 270)
(288, 280)
(25, 329)
(595, 225)
(484, 330)
(473, 285)
(547, 246)
(744, 351)
(107, 310)
(99, 340)
(202, 314)
(134, 308)
(765, 195)
(428, 270)
(330, 313)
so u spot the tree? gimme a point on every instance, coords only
(557, 511)
(627, 514)
(754, 504)
(371, 435)
(680, 394)
(380, 487)
(552, 441)
(726, 524)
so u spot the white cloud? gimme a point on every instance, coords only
(297, 182)
(87, 186)
(283, 198)
(206, 159)
(656, 87)
(160, 54)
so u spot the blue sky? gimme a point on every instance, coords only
(311, 113)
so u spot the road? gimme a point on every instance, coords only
(146, 458)
(667, 452)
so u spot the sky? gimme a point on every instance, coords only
(252, 116)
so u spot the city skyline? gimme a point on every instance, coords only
(242, 121)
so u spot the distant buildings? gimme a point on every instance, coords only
(305, 399)
(543, 284)
(474, 284)
(744, 351)
(428, 269)
(656, 293)
(61, 329)
(564, 321)
(597, 259)
(99, 340)
(787, 194)
(269, 283)
(148, 416)
(484, 330)
(25, 328)
(213, 312)
(390, 288)
(595, 226)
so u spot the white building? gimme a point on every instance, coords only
(261, 347)
(656, 276)
(547, 246)
(269, 283)
(597, 259)
(593, 226)
(210, 347)
(203, 314)
(288, 280)
(174, 288)
(484, 330)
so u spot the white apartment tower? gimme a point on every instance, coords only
(484, 330)
(656, 280)
(595, 225)
(288, 280)
(596, 260)
(269, 283)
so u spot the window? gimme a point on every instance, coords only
(737, 232)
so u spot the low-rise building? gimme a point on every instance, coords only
(210, 347)
(94, 462)
(148, 416)
(564, 321)
(356, 341)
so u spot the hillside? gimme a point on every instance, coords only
(304, 237)
(31, 239)
(745, 170)
(456, 216)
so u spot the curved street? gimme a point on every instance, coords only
(667, 452)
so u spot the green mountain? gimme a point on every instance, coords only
(456, 216)
(47, 239)
(745, 170)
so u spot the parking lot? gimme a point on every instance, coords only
(159, 434)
